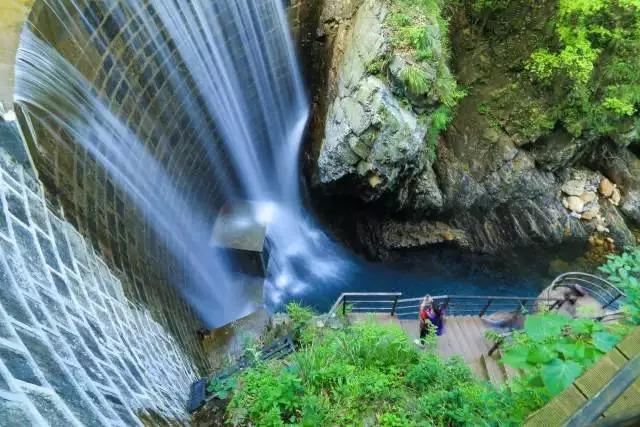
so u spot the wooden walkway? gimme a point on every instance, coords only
(463, 336)
(563, 406)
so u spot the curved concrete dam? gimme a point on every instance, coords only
(141, 120)
(158, 192)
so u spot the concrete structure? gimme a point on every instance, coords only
(74, 350)
(237, 233)
(91, 330)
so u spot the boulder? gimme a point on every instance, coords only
(615, 196)
(575, 204)
(591, 213)
(606, 187)
(588, 196)
(374, 146)
(574, 187)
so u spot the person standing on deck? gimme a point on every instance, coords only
(431, 316)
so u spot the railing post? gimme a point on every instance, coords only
(393, 308)
(496, 345)
(485, 308)
(344, 306)
(523, 307)
(612, 301)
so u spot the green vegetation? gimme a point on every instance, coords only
(624, 271)
(553, 350)
(594, 68)
(438, 122)
(415, 79)
(420, 34)
(490, 5)
(369, 373)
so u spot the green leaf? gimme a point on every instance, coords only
(540, 354)
(569, 350)
(540, 327)
(582, 325)
(604, 341)
(516, 357)
(558, 375)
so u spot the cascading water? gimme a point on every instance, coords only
(239, 57)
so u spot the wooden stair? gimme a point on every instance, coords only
(463, 336)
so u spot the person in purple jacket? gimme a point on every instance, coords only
(431, 316)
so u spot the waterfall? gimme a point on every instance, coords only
(230, 65)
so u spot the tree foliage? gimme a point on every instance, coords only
(553, 350)
(594, 65)
(624, 271)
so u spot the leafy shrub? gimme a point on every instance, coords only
(595, 66)
(553, 350)
(624, 271)
(369, 372)
(299, 314)
(438, 122)
(415, 79)
(222, 387)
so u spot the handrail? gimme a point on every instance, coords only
(457, 303)
(343, 299)
(604, 291)
(594, 285)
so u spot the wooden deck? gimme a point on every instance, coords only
(563, 406)
(463, 336)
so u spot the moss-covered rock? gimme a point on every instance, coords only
(375, 138)
(496, 175)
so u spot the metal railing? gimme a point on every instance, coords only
(374, 302)
(607, 294)
(602, 290)
(455, 305)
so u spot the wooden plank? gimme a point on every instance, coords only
(493, 370)
(630, 346)
(556, 412)
(482, 328)
(600, 373)
(630, 399)
(617, 386)
(458, 340)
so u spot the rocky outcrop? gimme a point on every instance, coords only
(505, 174)
(374, 144)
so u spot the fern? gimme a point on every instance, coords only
(415, 79)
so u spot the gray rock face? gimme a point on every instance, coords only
(367, 133)
(372, 141)
(505, 175)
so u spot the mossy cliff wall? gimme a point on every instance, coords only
(508, 171)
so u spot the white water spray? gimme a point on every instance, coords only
(239, 57)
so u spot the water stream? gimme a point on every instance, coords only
(239, 58)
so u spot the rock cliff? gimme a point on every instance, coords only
(505, 173)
